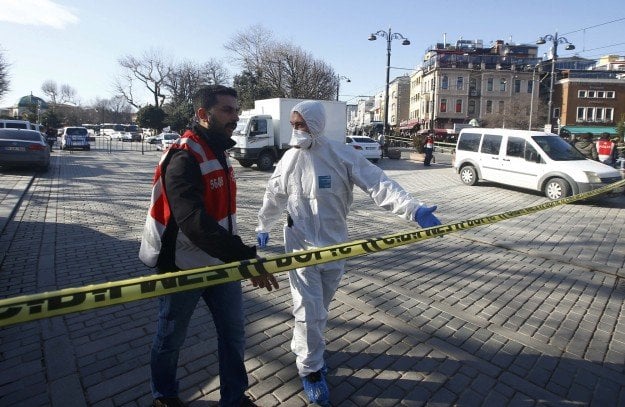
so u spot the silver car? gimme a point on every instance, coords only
(24, 148)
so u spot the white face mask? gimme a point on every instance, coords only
(300, 139)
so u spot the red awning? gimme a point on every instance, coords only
(409, 124)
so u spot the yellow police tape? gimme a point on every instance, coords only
(47, 304)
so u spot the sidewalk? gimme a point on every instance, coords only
(528, 311)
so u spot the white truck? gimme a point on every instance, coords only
(263, 133)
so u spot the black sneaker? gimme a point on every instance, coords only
(246, 402)
(168, 402)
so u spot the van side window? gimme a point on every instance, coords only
(469, 142)
(515, 147)
(531, 154)
(491, 144)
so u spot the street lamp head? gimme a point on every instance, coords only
(569, 47)
(372, 37)
(405, 42)
(540, 41)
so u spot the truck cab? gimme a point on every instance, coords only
(255, 142)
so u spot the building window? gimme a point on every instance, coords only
(489, 84)
(601, 94)
(444, 82)
(530, 86)
(471, 107)
(581, 94)
(443, 105)
(599, 114)
(502, 85)
(517, 86)
(580, 114)
(502, 106)
(590, 114)
(489, 106)
(458, 105)
(591, 93)
(459, 83)
(609, 94)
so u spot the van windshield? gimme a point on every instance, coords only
(241, 125)
(558, 149)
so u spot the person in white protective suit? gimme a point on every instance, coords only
(314, 182)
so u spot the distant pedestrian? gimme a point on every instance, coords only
(428, 149)
(587, 147)
(606, 150)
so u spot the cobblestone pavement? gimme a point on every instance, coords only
(528, 311)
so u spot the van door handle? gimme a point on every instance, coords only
(506, 159)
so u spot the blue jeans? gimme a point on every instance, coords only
(225, 302)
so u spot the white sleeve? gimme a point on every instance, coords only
(385, 192)
(274, 201)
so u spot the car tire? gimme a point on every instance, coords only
(468, 175)
(557, 188)
(265, 161)
(246, 163)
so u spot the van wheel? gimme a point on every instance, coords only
(557, 188)
(468, 175)
(265, 161)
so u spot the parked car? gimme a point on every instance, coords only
(533, 160)
(121, 136)
(75, 138)
(367, 146)
(157, 139)
(15, 124)
(168, 140)
(136, 134)
(24, 148)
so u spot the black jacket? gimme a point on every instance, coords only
(185, 191)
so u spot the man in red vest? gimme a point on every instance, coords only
(191, 223)
(606, 149)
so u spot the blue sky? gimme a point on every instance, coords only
(79, 42)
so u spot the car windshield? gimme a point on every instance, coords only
(241, 125)
(558, 149)
(76, 132)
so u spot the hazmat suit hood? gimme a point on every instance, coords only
(313, 114)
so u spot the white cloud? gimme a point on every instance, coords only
(36, 12)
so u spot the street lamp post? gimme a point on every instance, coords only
(338, 83)
(555, 40)
(390, 36)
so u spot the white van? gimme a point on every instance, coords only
(75, 137)
(528, 159)
(15, 124)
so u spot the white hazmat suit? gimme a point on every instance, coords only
(315, 186)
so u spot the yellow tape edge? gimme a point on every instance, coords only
(69, 300)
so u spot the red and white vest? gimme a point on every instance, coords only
(219, 202)
(605, 148)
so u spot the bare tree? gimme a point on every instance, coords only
(283, 68)
(4, 75)
(152, 70)
(185, 78)
(58, 95)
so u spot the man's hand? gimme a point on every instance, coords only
(267, 281)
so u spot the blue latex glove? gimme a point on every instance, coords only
(262, 238)
(425, 218)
